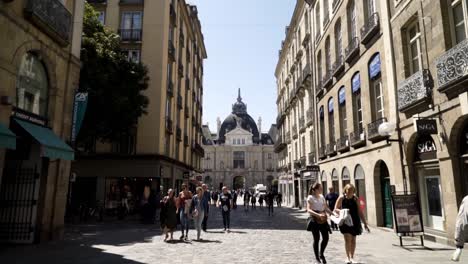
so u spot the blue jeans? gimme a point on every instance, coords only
(184, 223)
(226, 218)
(198, 222)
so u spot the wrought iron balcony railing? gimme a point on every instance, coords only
(181, 69)
(322, 152)
(452, 70)
(352, 50)
(187, 83)
(357, 138)
(186, 141)
(52, 17)
(331, 149)
(130, 34)
(338, 66)
(342, 144)
(373, 130)
(414, 91)
(371, 28)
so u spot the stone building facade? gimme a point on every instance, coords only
(39, 72)
(165, 145)
(390, 109)
(239, 155)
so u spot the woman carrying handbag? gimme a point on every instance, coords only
(350, 202)
(317, 222)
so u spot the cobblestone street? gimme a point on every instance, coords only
(255, 238)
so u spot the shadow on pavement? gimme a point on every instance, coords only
(207, 241)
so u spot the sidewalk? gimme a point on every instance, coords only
(383, 246)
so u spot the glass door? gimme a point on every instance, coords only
(431, 196)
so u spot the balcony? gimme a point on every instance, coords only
(342, 144)
(179, 102)
(279, 145)
(186, 142)
(414, 91)
(302, 124)
(169, 128)
(199, 150)
(288, 137)
(186, 111)
(170, 88)
(312, 159)
(322, 152)
(130, 34)
(280, 119)
(352, 51)
(294, 131)
(297, 164)
(303, 162)
(327, 79)
(52, 17)
(338, 66)
(357, 139)
(172, 14)
(178, 134)
(181, 70)
(292, 95)
(171, 50)
(371, 28)
(331, 149)
(306, 76)
(373, 130)
(310, 116)
(452, 70)
(306, 39)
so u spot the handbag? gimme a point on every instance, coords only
(319, 220)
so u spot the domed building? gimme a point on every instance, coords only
(239, 155)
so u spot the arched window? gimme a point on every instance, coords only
(376, 89)
(326, 13)
(323, 179)
(335, 181)
(32, 86)
(357, 106)
(317, 18)
(338, 40)
(352, 27)
(360, 184)
(319, 68)
(342, 112)
(327, 55)
(322, 126)
(331, 121)
(345, 176)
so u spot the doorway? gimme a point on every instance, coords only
(386, 195)
(238, 182)
(431, 197)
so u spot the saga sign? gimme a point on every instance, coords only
(426, 126)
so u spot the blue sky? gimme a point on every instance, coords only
(242, 38)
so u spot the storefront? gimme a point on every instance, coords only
(360, 184)
(426, 166)
(335, 181)
(323, 179)
(345, 177)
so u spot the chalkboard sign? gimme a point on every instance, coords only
(407, 212)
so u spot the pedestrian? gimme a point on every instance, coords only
(225, 202)
(349, 201)
(234, 200)
(198, 209)
(461, 225)
(279, 199)
(168, 215)
(214, 196)
(253, 201)
(318, 209)
(260, 201)
(183, 208)
(246, 200)
(269, 200)
(331, 198)
(207, 201)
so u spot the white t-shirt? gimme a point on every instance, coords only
(316, 203)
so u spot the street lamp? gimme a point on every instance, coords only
(386, 129)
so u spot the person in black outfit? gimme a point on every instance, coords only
(225, 202)
(269, 200)
(331, 198)
(350, 202)
(234, 200)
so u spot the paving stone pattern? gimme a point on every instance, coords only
(255, 238)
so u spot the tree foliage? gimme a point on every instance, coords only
(114, 85)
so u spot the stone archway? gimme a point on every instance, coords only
(382, 192)
(238, 182)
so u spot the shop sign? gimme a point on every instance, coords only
(425, 148)
(313, 168)
(407, 212)
(79, 110)
(426, 126)
(30, 117)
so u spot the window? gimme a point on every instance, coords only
(357, 106)
(412, 35)
(317, 18)
(376, 87)
(239, 160)
(327, 55)
(102, 17)
(458, 16)
(269, 155)
(342, 111)
(132, 55)
(325, 13)
(322, 127)
(243, 141)
(352, 28)
(131, 25)
(369, 8)
(338, 40)
(331, 121)
(169, 72)
(303, 147)
(221, 165)
(319, 65)
(32, 86)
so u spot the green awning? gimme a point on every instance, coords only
(7, 138)
(51, 145)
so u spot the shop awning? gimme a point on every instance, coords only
(7, 138)
(51, 145)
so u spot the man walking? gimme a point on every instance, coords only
(269, 200)
(246, 200)
(225, 202)
(331, 198)
(206, 203)
(461, 225)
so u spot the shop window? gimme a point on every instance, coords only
(32, 86)
(458, 14)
